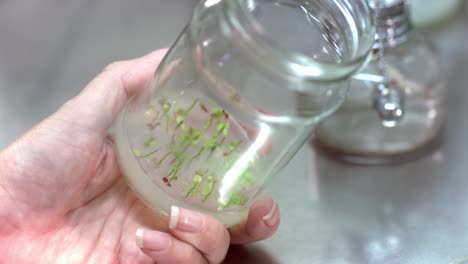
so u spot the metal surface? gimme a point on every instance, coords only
(331, 213)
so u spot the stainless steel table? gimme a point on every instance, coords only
(332, 213)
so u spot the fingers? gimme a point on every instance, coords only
(164, 248)
(104, 97)
(193, 238)
(198, 238)
(204, 232)
(262, 223)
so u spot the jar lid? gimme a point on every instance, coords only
(393, 21)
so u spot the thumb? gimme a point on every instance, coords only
(99, 103)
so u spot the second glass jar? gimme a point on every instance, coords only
(407, 82)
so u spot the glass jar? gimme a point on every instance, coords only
(395, 109)
(220, 116)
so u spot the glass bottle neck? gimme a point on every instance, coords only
(394, 24)
(341, 33)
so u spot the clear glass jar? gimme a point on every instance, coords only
(220, 116)
(361, 132)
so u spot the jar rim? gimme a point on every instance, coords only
(293, 64)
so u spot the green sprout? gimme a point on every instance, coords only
(139, 154)
(160, 161)
(149, 154)
(166, 109)
(185, 112)
(179, 162)
(195, 183)
(150, 142)
(225, 130)
(216, 114)
(248, 178)
(210, 144)
(151, 115)
(221, 129)
(208, 123)
(202, 183)
(233, 146)
(194, 136)
(179, 121)
(208, 188)
(237, 198)
(203, 108)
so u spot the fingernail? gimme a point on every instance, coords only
(152, 240)
(268, 218)
(185, 220)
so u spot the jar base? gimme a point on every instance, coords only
(377, 159)
(152, 195)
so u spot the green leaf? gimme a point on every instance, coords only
(221, 126)
(179, 121)
(203, 108)
(208, 123)
(217, 113)
(192, 189)
(160, 161)
(210, 143)
(222, 141)
(226, 130)
(167, 107)
(208, 188)
(197, 178)
(150, 142)
(180, 157)
(149, 154)
(195, 135)
(234, 145)
(248, 178)
(137, 152)
(192, 106)
(202, 149)
(237, 199)
(184, 138)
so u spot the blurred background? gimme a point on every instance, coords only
(50, 49)
(333, 213)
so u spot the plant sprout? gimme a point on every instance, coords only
(195, 183)
(185, 137)
(150, 142)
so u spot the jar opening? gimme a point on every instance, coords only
(318, 40)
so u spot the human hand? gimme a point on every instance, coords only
(64, 200)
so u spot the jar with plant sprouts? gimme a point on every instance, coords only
(221, 116)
